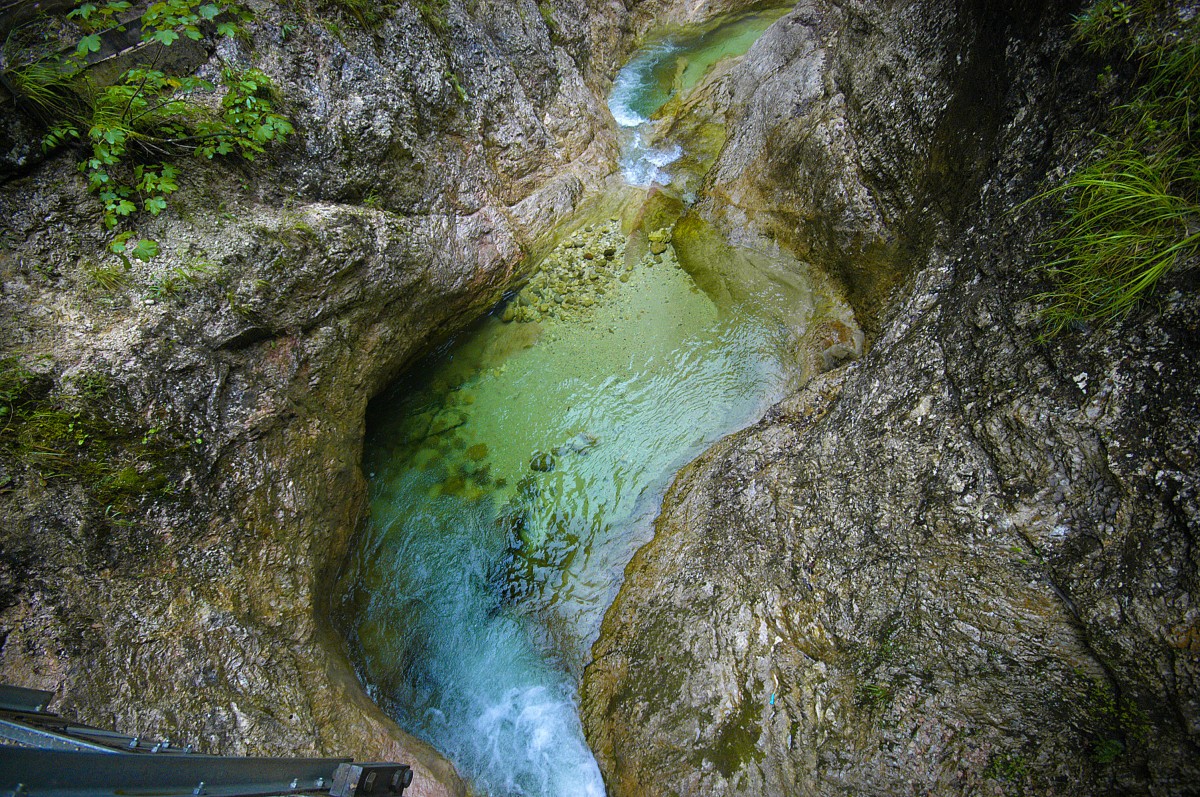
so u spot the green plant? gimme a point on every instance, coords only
(334, 29)
(175, 283)
(458, 87)
(15, 377)
(1107, 751)
(367, 14)
(161, 22)
(1105, 25)
(547, 12)
(434, 13)
(874, 694)
(129, 130)
(1126, 226)
(1010, 767)
(107, 278)
(1132, 214)
(45, 86)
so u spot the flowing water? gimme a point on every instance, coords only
(514, 473)
(667, 68)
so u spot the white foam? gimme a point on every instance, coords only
(535, 746)
(644, 166)
(641, 164)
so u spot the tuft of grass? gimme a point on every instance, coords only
(1105, 26)
(435, 13)
(48, 87)
(107, 278)
(1125, 227)
(1010, 767)
(1107, 751)
(547, 12)
(874, 695)
(1132, 214)
(175, 283)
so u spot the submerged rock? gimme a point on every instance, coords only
(578, 444)
(542, 461)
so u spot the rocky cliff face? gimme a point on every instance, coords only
(967, 562)
(184, 594)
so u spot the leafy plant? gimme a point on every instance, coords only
(131, 129)
(248, 122)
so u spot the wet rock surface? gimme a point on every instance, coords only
(585, 272)
(966, 562)
(286, 295)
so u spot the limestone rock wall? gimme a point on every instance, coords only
(288, 293)
(965, 563)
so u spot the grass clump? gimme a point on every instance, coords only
(1008, 767)
(1133, 212)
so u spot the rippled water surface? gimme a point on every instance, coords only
(513, 474)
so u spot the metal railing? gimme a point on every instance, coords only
(45, 755)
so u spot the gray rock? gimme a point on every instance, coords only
(955, 565)
(205, 615)
(542, 461)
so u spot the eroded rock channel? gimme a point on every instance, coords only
(514, 472)
(949, 554)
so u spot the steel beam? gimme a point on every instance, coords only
(57, 773)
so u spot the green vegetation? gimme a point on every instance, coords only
(547, 12)
(75, 435)
(367, 14)
(1132, 213)
(737, 739)
(1107, 751)
(1118, 723)
(1008, 767)
(130, 132)
(874, 695)
(458, 87)
(434, 13)
(176, 283)
(107, 278)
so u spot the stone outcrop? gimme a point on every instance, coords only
(428, 159)
(966, 562)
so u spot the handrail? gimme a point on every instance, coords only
(45, 755)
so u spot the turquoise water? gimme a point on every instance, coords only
(669, 67)
(513, 474)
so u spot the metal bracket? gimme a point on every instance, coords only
(351, 780)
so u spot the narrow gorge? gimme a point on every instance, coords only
(584, 397)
